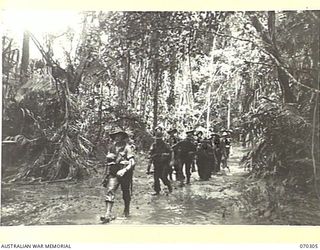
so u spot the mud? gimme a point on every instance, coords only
(218, 201)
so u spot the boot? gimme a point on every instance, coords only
(126, 211)
(108, 217)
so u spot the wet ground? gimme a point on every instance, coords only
(217, 201)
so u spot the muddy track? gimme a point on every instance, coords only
(217, 201)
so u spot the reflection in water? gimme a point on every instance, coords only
(184, 207)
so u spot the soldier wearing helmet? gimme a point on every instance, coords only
(160, 154)
(172, 140)
(186, 150)
(119, 172)
(150, 167)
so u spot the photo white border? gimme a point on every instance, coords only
(111, 234)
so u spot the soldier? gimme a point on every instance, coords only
(227, 141)
(198, 141)
(160, 154)
(215, 138)
(199, 135)
(204, 160)
(225, 149)
(185, 152)
(119, 172)
(150, 168)
(172, 140)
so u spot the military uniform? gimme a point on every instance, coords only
(119, 172)
(198, 142)
(150, 167)
(227, 142)
(174, 165)
(185, 151)
(160, 154)
(217, 153)
(225, 149)
(205, 158)
(173, 139)
(199, 137)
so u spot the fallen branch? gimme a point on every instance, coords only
(58, 180)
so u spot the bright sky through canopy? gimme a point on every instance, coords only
(39, 21)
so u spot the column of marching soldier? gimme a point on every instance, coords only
(168, 157)
(182, 157)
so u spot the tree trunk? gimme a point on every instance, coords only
(190, 65)
(229, 112)
(75, 78)
(155, 45)
(287, 95)
(25, 57)
(134, 97)
(172, 79)
(155, 95)
(208, 110)
(127, 76)
(315, 55)
(268, 37)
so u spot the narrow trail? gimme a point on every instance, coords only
(214, 202)
(202, 202)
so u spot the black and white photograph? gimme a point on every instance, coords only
(160, 117)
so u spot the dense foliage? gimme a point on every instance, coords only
(137, 70)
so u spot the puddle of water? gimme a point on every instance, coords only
(203, 202)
